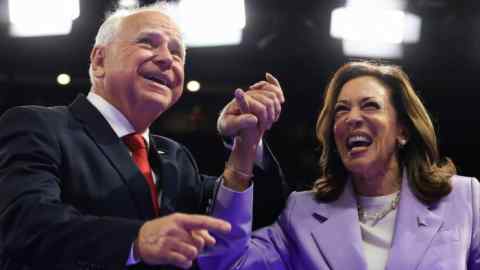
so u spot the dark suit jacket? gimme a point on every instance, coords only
(71, 196)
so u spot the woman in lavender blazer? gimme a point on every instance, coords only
(385, 200)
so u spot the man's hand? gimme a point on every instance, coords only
(176, 239)
(257, 108)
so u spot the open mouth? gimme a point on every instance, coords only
(158, 78)
(358, 142)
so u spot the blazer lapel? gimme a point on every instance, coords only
(415, 227)
(338, 235)
(115, 151)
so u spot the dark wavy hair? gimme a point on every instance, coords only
(429, 176)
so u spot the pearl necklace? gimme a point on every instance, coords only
(377, 216)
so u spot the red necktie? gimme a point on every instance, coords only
(137, 145)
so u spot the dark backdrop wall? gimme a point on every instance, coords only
(291, 41)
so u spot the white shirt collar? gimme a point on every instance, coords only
(119, 123)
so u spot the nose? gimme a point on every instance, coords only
(354, 118)
(163, 58)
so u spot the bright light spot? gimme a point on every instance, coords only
(193, 86)
(39, 18)
(413, 25)
(374, 28)
(383, 4)
(211, 22)
(372, 49)
(63, 79)
(378, 25)
(128, 3)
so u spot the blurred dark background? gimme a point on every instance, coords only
(291, 40)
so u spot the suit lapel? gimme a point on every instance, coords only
(415, 227)
(167, 173)
(338, 234)
(115, 151)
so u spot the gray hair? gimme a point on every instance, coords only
(109, 28)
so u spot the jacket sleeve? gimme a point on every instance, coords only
(37, 228)
(271, 188)
(474, 254)
(267, 248)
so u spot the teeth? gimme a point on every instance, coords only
(355, 139)
(358, 140)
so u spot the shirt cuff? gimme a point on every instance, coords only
(234, 207)
(225, 197)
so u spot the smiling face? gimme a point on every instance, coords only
(366, 128)
(141, 71)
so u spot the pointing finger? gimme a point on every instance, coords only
(193, 222)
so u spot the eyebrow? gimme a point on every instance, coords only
(344, 101)
(155, 33)
(149, 34)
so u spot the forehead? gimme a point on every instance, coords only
(148, 21)
(364, 87)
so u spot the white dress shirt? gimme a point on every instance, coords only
(377, 238)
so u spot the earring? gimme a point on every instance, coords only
(402, 142)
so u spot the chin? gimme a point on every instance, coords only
(153, 107)
(358, 165)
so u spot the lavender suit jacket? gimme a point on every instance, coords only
(312, 235)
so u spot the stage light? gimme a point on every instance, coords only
(365, 24)
(128, 3)
(63, 79)
(211, 22)
(372, 49)
(374, 28)
(193, 86)
(42, 18)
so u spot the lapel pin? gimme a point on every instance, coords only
(421, 222)
(319, 217)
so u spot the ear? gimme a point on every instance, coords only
(97, 61)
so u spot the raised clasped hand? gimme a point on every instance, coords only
(252, 112)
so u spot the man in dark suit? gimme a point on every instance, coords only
(86, 186)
